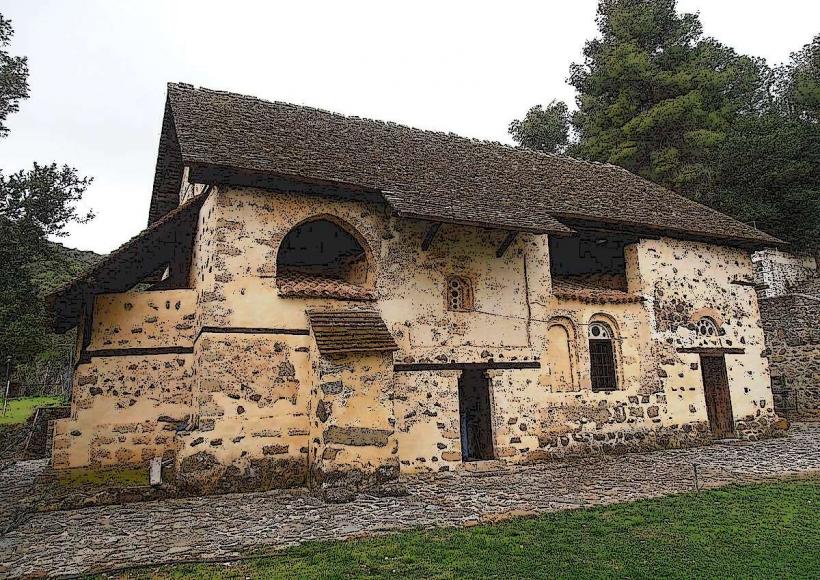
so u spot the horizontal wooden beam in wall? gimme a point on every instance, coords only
(139, 351)
(251, 330)
(755, 285)
(483, 366)
(712, 350)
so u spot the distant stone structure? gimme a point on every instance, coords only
(778, 272)
(790, 313)
(332, 301)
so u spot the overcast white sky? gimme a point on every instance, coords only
(99, 70)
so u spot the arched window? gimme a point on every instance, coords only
(601, 357)
(320, 258)
(706, 327)
(459, 293)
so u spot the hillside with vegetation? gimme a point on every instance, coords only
(51, 269)
(58, 265)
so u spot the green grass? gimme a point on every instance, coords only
(754, 531)
(21, 409)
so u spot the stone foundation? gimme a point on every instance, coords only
(582, 444)
(203, 474)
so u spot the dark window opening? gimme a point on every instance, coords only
(320, 259)
(324, 249)
(602, 358)
(590, 259)
(706, 327)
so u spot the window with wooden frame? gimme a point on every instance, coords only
(459, 294)
(601, 357)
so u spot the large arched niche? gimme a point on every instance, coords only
(561, 354)
(326, 252)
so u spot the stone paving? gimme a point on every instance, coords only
(224, 527)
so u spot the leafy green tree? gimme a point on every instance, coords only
(13, 77)
(34, 204)
(656, 97)
(800, 82)
(769, 175)
(543, 128)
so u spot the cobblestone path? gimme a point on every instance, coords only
(95, 539)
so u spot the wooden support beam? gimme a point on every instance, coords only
(505, 244)
(429, 235)
(712, 350)
(456, 366)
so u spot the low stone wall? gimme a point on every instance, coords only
(792, 327)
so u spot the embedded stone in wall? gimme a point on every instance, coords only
(357, 436)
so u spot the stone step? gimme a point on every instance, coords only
(486, 466)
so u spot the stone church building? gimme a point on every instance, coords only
(330, 301)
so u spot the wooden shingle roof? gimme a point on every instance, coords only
(422, 174)
(346, 331)
(120, 270)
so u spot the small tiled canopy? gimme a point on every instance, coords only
(346, 331)
(299, 284)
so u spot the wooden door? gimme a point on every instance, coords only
(475, 415)
(718, 399)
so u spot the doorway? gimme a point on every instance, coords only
(718, 399)
(475, 416)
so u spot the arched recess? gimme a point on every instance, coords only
(603, 340)
(562, 354)
(702, 318)
(324, 249)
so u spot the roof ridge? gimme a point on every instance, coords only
(451, 134)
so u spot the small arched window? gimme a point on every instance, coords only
(459, 294)
(601, 357)
(706, 327)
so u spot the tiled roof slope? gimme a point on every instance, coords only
(568, 289)
(810, 287)
(436, 173)
(299, 284)
(344, 331)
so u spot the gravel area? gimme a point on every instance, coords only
(223, 527)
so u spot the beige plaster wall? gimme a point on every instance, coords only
(353, 421)
(686, 280)
(143, 320)
(267, 410)
(126, 409)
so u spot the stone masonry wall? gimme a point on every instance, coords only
(265, 410)
(353, 441)
(684, 281)
(127, 409)
(792, 325)
(778, 271)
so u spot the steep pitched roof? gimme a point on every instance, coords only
(426, 174)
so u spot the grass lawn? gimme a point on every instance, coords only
(21, 409)
(755, 531)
